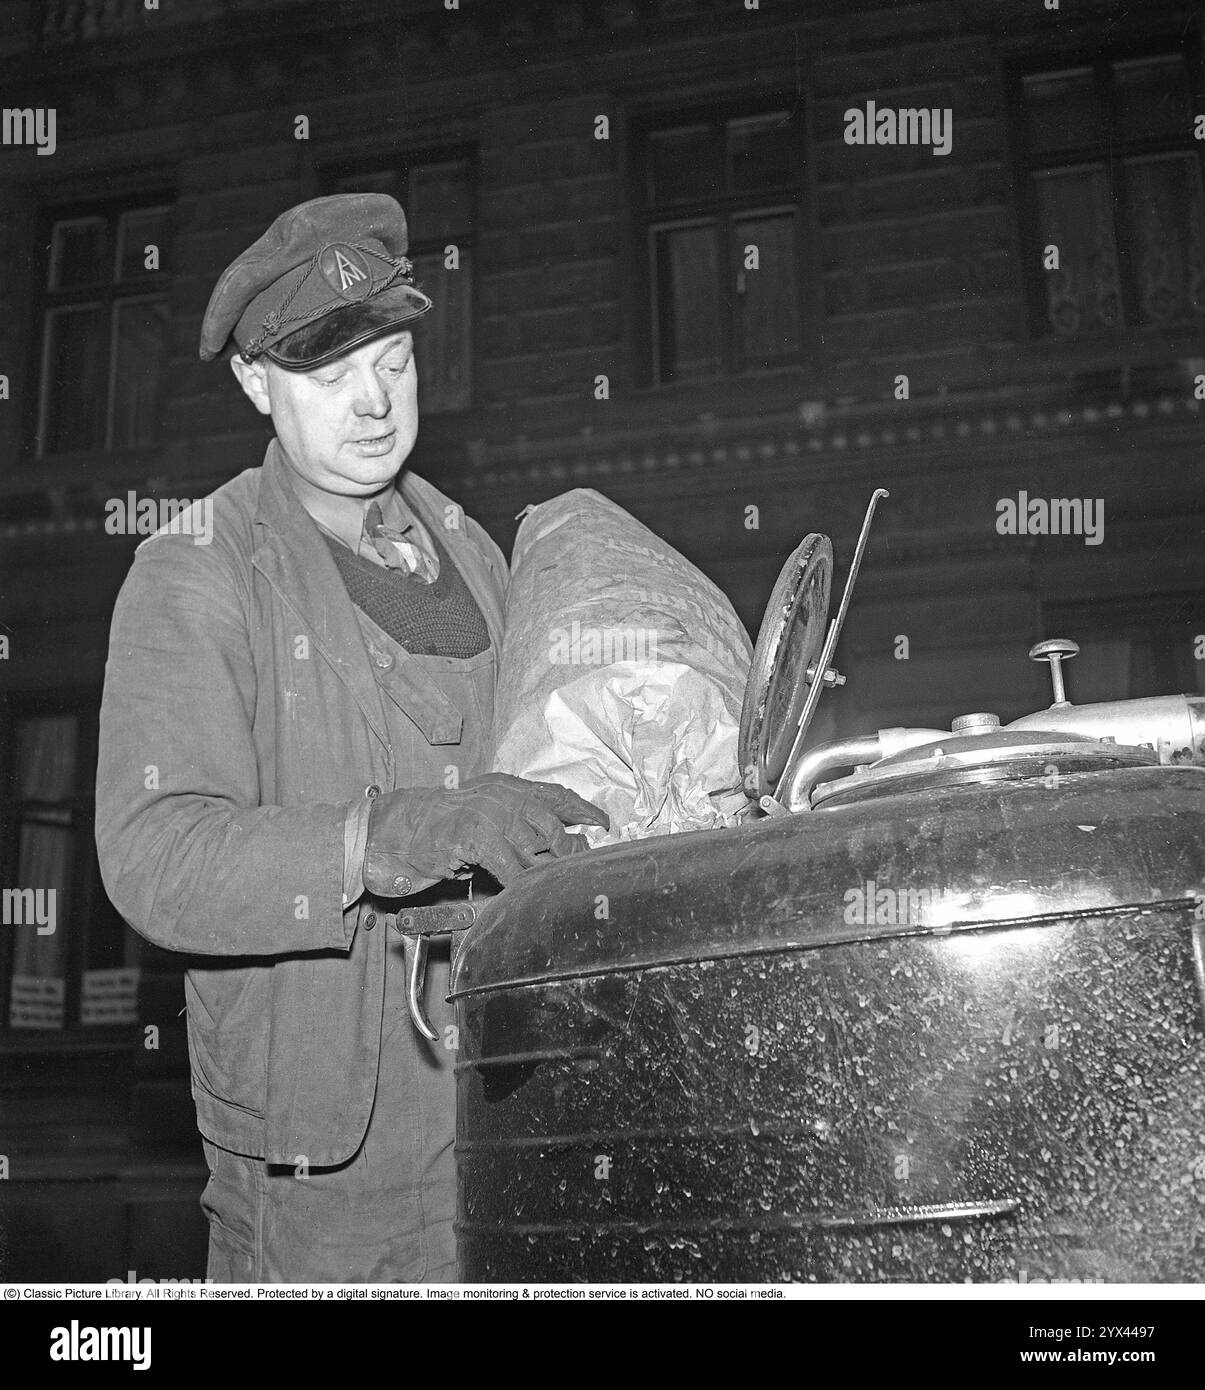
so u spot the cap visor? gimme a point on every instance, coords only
(340, 331)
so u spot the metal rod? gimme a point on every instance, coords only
(856, 564)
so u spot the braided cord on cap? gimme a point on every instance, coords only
(403, 271)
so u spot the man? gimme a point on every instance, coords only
(292, 743)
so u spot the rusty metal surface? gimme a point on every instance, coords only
(1013, 850)
(902, 1112)
(732, 1082)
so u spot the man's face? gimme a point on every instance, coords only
(347, 427)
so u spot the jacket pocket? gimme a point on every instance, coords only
(228, 1013)
(421, 700)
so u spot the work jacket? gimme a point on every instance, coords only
(243, 716)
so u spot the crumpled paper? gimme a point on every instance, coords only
(622, 673)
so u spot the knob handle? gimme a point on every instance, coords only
(1055, 650)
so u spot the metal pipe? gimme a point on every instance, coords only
(799, 778)
(1172, 726)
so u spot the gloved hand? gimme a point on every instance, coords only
(419, 835)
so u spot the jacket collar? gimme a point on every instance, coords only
(292, 555)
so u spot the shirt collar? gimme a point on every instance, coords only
(345, 517)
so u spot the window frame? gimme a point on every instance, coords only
(399, 164)
(1108, 153)
(86, 886)
(649, 218)
(155, 285)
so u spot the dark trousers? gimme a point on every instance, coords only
(384, 1216)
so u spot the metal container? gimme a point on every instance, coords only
(940, 1020)
(690, 1060)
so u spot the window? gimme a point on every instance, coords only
(1113, 181)
(720, 224)
(66, 956)
(104, 328)
(437, 193)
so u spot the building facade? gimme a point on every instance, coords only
(734, 264)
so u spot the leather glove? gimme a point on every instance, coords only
(419, 835)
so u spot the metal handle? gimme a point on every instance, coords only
(1055, 650)
(416, 949)
(440, 919)
(418, 925)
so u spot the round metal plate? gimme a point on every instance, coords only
(788, 646)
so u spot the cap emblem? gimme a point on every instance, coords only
(345, 270)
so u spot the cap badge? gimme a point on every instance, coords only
(345, 270)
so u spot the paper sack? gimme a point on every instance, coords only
(622, 674)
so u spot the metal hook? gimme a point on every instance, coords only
(415, 982)
(417, 926)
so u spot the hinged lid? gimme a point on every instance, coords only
(791, 661)
(785, 662)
